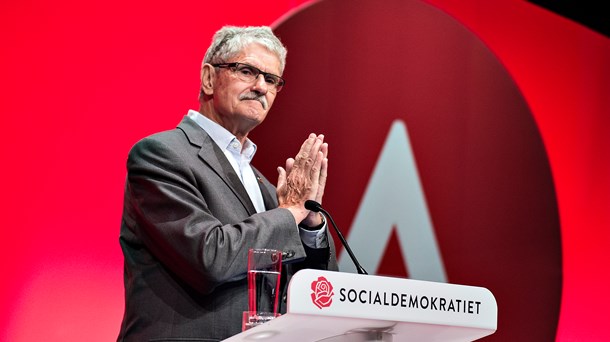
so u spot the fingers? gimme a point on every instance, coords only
(309, 161)
(305, 151)
(324, 149)
(313, 219)
(321, 150)
(322, 180)
(317, 164)
(304, 177)
(281, 179)
(289, 164)
(309, 150)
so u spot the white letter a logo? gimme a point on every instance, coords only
(394, 198)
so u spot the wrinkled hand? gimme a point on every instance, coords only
(304, 178)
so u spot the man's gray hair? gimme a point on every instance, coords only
(231, 40)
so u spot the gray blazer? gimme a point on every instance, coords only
(187, 225)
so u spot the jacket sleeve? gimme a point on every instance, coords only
(183, 214)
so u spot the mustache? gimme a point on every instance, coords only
(254, 96)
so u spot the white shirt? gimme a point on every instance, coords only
(240, 158)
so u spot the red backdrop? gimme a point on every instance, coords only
(82, 81)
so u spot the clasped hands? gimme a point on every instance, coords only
(304, 178)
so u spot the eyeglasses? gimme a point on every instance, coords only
(248, 73)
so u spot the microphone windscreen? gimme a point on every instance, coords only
(312, 205)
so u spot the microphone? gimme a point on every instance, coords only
(317, 207)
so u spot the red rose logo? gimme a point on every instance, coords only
(322, 295)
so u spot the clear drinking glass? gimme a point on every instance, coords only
(264, 268)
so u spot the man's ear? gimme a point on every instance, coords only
(208, 77)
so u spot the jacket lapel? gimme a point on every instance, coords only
(267, 190)
(214, 158)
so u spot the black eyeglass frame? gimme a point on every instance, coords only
(234, 65)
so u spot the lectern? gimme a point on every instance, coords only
(341, 307)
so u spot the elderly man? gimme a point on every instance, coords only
(194, 205)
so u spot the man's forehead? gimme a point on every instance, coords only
(259, 56)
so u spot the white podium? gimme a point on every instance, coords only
(340, 307)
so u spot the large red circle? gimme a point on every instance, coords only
(356, 66)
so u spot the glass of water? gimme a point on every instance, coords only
(264, 269)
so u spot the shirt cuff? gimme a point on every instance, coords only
(315, 237)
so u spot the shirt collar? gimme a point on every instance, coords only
(221, 136)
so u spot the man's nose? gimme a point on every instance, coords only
(260, 85)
